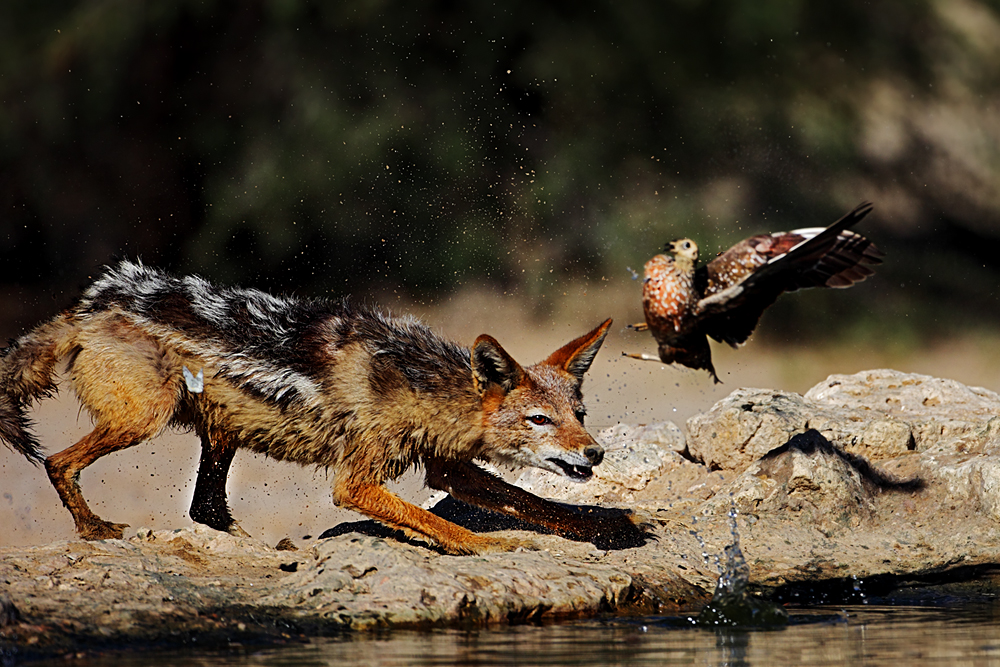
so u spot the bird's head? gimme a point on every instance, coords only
(682, 249)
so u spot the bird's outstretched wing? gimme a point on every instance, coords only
(743, 281)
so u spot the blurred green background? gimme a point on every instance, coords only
(371, 147)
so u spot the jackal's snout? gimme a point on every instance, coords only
(594, 454)
(579, 472)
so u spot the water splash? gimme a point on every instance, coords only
(731, 605)
(859, 589)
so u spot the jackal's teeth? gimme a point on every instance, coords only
(575, 472)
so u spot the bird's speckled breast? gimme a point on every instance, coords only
(667, 294)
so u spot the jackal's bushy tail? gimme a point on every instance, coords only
(27, 370)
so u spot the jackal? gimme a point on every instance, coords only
(327, 383)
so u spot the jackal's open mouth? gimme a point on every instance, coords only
(574, 472)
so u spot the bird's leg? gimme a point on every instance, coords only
(643, 357)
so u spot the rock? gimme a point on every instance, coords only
(878, 474)
(906, 395)
(865, 482)
(360, 582)
(938, 412)
(806, 477)
(879, 415)
(744, 426)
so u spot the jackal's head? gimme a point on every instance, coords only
(534, 416)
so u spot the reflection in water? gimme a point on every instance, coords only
(894, 636)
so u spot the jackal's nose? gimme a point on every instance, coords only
(594, 454)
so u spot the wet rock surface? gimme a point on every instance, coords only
(878, 480)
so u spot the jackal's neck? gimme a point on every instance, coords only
(451, 418)
(408, 388)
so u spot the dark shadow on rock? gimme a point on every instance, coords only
(968, 583)
(812, 441)
(9, 615)
(368, 527)
(481, 520)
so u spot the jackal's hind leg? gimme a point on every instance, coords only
(209, 505)
(604, 527)
(382, 505)
(129, 383)
(64, 473)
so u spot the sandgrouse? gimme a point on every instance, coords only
(725, 298)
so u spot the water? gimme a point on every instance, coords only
(864, 635)
(731, 604)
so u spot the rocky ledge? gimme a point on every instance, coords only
(868, 483)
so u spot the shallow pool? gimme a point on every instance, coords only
(967, 634)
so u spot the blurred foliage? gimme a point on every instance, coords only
(370, 144)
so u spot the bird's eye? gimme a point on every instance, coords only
(580, 414)
(539, 420)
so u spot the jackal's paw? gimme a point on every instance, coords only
(98, 529)
(622, 529)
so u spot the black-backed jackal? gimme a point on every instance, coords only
(318, 382)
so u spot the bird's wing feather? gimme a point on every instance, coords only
(813, 257)
(734, 324)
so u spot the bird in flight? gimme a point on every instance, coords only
(725, 298)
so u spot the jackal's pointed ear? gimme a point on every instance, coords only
(492, 366)
(576, 356)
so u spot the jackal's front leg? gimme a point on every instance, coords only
(209, 505)
(604, 527)
(382, 505)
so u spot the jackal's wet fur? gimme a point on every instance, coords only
(318, 382)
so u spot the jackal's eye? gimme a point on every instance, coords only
(539, 420)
